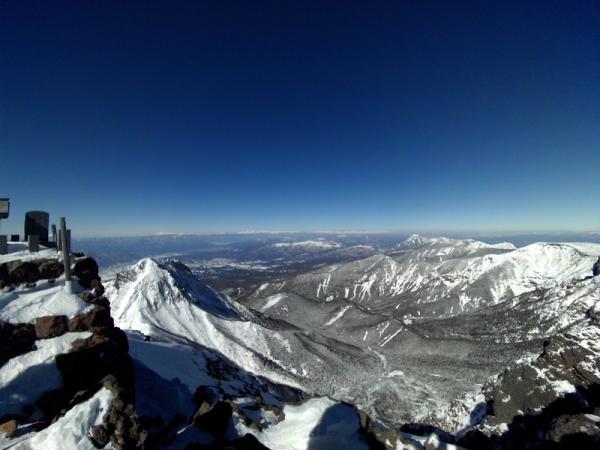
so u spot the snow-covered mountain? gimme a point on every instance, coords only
(164, 299)
(443, 314)
(467, 274)
(435, 295)
(433, 334)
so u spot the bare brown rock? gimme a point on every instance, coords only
(9, 429)
(51, 326)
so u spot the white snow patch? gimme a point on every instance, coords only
(339, 314)
(26, 304)
(308, 244)
(24, 378)
(272, 301)
(71, 430)
(318, 423)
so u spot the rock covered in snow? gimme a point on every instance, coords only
(553, 397)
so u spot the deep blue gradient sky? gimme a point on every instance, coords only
(190, 116)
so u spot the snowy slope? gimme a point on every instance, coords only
(443, 315)
(163, 299)
(70, 431)
(467, 273)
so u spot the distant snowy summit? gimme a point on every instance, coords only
(416, 241)
(310, 244)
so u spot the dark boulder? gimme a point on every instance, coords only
(95, 320)
(97, 288)
(376, 434)
(3, 273)
(100, 436)
(53, 402)
(50, 268)
(215, 419)
(51, 326)
(15, 339)
(576, 424)
(596, 268)
(22, 272)
(9, 428)
(92, 359)
(122, 426)
(86, 270)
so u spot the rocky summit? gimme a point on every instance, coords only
(423, 344)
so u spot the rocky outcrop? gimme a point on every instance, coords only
(101, 360)
(9, 428)
(121, 425)
(215, 418)
(3, 275)
(50, 326)
(18, 272)
(15, 339)
(378, 436)
(563, 366)
(97, 320)
(50, 268)
(550, 402)
(22, 272)
(91, 360)
(596, 268)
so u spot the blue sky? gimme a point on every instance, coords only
(221, 116)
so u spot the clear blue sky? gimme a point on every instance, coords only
(139, 117)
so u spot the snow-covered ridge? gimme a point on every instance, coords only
(164, 299)
(310, 244)
(416, 241)
(475, 273)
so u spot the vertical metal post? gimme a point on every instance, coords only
(54, 237)
(33, 243)
(66, 256)
(3, 245)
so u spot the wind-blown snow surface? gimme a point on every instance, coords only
(24, 378)
(72, 430)
(317, 424)
(25, 304)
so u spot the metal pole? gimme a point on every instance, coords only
(66, 256)
(54, 237)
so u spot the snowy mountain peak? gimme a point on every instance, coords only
(152, 285)
(416, 241)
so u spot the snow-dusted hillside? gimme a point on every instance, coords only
(413, 338)
(465, 273)
(164, 299)
(443, 314)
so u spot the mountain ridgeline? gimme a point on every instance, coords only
(432, 342)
